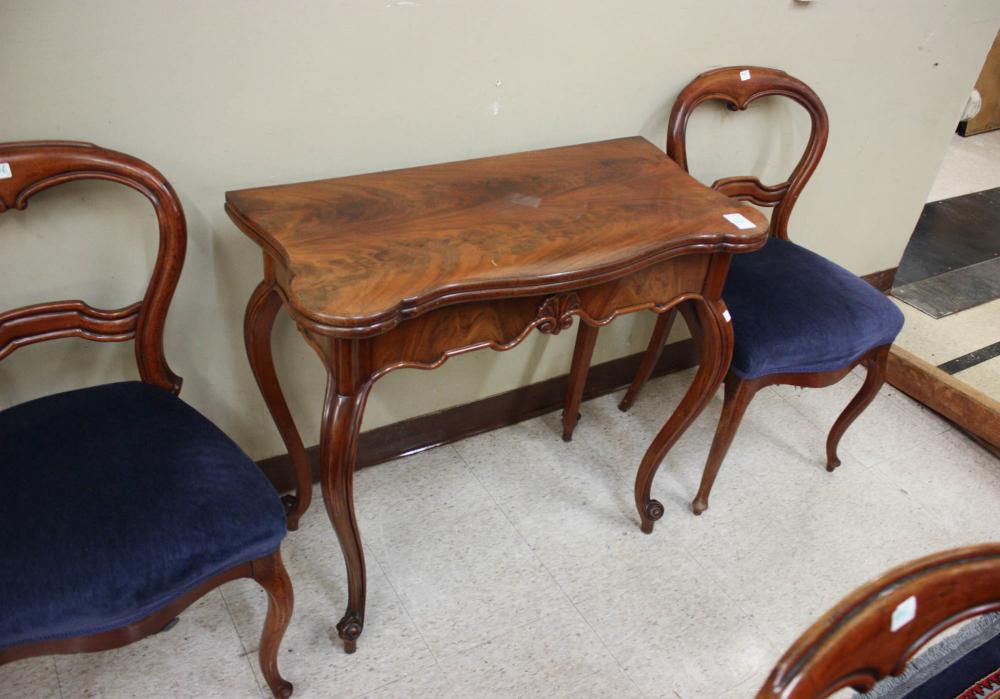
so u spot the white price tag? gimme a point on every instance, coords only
(739, 220)
(725, 314)
(744, 75)
(904, 613)
(5, 172)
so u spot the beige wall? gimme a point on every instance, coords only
(223, 94)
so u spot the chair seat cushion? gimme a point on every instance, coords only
(115, 500)
(795, 311)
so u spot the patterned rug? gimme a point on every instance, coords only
(965, 665)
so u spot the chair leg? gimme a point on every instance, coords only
(270, 573)
(875, 364)
(738, 395)
(654, 349)
(586, 338)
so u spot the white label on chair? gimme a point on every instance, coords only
(744, 75)
(5, 172)
(739, 220)
(725, 314)
(904, 613)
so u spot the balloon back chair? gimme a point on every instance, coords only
(122, 505)
(797, 318)
(877, 629)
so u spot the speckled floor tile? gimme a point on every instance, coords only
(431, 681)
(957, 480)
(670, 626)
(312, 656)
(775, 445)
(511, 564)
(32, 677)
(892, 424)
(464, 581)
(938, 341)
(788, 566)
(984, 377)
(971, 164)
(200, 657)
(556, 655)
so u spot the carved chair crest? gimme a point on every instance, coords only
(738, 87)
(27, 168)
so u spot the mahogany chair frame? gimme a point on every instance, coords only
(855, 644)
(36, 166)
(730, 87)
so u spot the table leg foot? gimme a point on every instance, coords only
(651, 511)
(292, 515)
(349, 629)
(338, 448)
(716, 352)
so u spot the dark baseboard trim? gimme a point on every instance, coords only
(882, 280)
(434, 429)
(453, 424)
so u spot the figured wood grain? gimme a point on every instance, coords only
(407, 268)
(359, 254)
(427, 341)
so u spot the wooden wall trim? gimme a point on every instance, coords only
(970, 409)
(452, 424)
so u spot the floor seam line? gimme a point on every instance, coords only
(552, 577)
(246, 654)
(55, 670)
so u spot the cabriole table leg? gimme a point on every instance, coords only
(342, 413)
(716, 345)
(258, 323)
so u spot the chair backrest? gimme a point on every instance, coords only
(874, 631)
(738, 86)
(27, 168)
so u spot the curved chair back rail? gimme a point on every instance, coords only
(875, 631)
(839, 321)
(185, 485)
(34, 166)
(730, 85)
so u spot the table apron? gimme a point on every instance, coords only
(428, 340)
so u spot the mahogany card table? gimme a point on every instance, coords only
(407, 268)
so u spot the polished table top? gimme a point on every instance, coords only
(362, 253)
(407, 268)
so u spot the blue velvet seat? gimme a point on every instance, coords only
(797, 318)
(795, 311)
(117, 499)
(120, 505)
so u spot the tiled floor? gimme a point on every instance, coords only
(970, 165)
(512, 564)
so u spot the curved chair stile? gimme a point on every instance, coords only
(798, 318)
(123, 505)
(875, 631)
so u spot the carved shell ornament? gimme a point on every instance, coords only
(556, 313)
